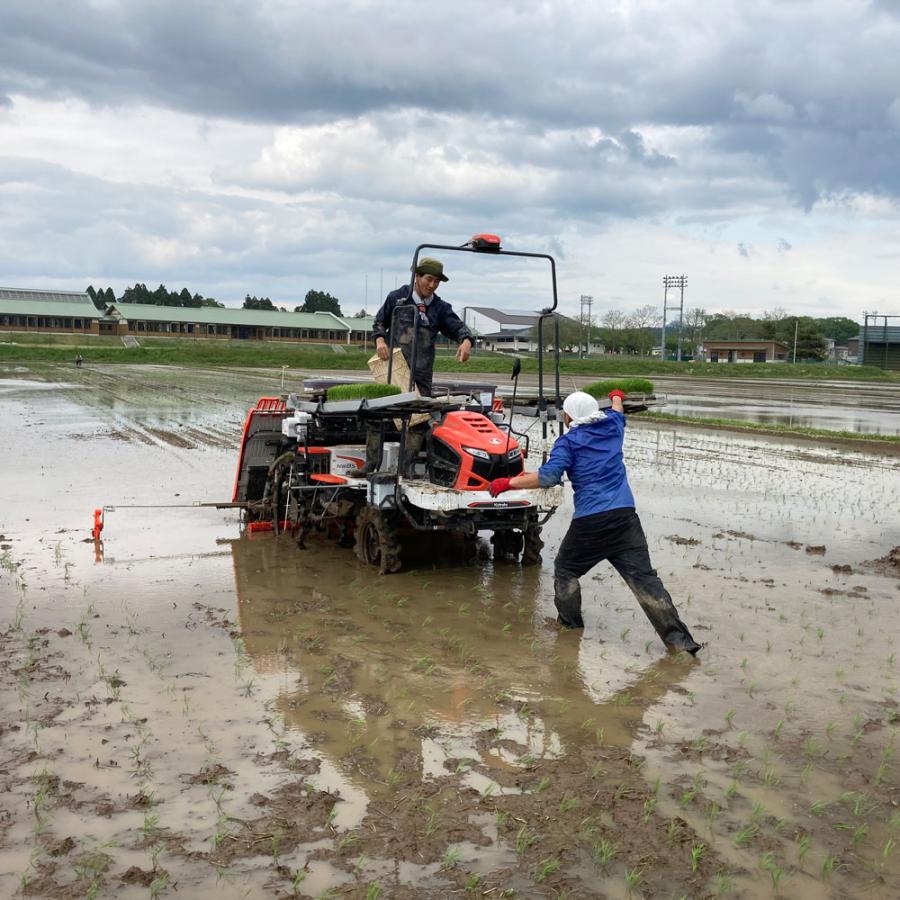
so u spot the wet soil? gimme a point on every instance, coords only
(191, 710)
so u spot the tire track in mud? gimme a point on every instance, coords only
(100, 391)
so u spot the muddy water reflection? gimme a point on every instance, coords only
(422, 672)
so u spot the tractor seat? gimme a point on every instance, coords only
(325, 478)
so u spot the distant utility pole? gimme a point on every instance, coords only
(673, 281)
(586, 302)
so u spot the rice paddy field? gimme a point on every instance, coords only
(189, 710)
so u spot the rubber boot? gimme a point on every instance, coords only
(372, 440)
(415, 438)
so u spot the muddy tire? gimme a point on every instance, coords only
(531, 552)
(507, 543)
(376, 541)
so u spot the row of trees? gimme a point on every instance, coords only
(638, 332)
(315, 301)
(140, 293)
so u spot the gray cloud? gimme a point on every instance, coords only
(794, 87)
(282, 142)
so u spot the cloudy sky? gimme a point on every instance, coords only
(273, 147)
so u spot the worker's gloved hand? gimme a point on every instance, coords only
(498, 486)
(616, 393)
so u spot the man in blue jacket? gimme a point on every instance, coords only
(605, 524)
(399, 311)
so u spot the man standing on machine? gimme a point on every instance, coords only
(605, 524)
(436, 316)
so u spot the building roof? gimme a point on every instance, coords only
(502, 317)
(212, 315)
(510, 333)
(363, 323)
(24, 302)
(744, 342)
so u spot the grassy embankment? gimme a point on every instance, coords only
(13, 348)
(770, 428)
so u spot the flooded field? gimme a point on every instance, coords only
(194, 712)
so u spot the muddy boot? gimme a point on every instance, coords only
(415, 438)
(372, 448)
(567, 597)
(681, 639)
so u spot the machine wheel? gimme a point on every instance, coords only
(531, 554)
(507, 543)
(376, 540)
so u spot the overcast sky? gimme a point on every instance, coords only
(273, 147)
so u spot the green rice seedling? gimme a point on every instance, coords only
(778, 728)
(361, 391)
(473, 881)
(158, 885)
(768, 864)
(712, 814)
(746, 834)
(543, 784)
(374, 891)
(672, 830)
(731, 790)
(150, 826)
(545, 869)
(567, 803)
(649, 806)
(722, 884)
(757, 812)
(829, 864)
(451, 858)
(804, 842)
(811, 747)
(432, 821)
(347, 840)
(525, 837)
(632, 878)
(604, 852)
(697, 852)
(729, 717)
(297, 880)
(687, 796)
(502, 817)
(819, 807)
(859, 834)
(601, 389)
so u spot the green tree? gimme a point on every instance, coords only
(838, 328)
(263, 303)
(319, 301)
(810, 340)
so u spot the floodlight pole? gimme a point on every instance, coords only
(586, 301)
(673, 281)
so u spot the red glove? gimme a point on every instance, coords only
(498, 486)
(617, 393)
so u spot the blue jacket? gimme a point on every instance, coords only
(437, 318)
(591, 454)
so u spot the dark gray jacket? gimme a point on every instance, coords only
(438, 317)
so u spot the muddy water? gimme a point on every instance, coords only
(187, 708)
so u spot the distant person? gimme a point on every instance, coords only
(78, 361)
(605, 524)
(436, 316)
